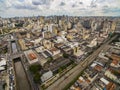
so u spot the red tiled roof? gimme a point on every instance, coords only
(115, 62)
(98, 67)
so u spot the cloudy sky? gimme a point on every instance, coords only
(11, 8)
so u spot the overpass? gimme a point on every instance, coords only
(15, 55)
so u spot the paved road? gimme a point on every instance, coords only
(69, 76)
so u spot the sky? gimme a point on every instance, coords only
(13, 8)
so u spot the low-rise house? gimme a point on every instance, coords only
(115, 63)
(39, 49)
(54, 51)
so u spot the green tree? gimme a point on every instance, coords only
(4, 85)
(50, 59)
(35, 68)
(116, 73)
(37, 78)
(65, 55)
(60, 70)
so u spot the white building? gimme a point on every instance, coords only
(2, 64)
(93, 43)
(106, 82)
(46, 76)
(72, 44)
(102, 55)
(40, 49)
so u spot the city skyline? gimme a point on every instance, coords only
(59, 52)
(21, 8)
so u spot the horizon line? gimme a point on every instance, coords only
(58, 15)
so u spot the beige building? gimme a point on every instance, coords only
(47, 44)
(47, 34)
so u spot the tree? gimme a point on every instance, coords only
(37, 77)
(65, 55)
(116, 73)
(4, 85)
(60, 70)
(50, 59)
(35, 68)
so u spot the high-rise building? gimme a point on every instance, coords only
(54, 31)
(69, 25)
(46, 34)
